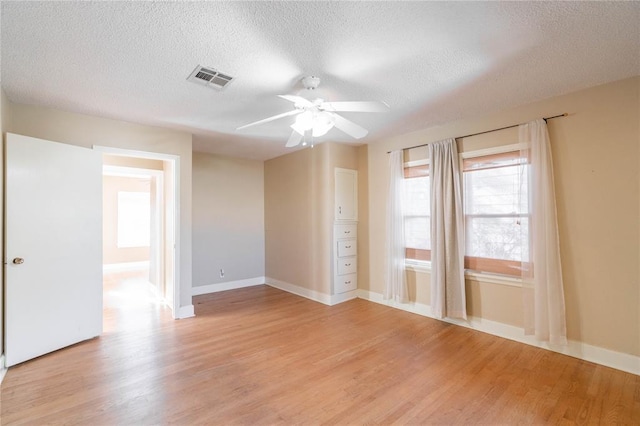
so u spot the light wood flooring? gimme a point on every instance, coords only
(261, 356)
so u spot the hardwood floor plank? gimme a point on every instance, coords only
(262, 356)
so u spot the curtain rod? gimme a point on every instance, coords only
(486, 131)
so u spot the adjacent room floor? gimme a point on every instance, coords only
(262, 356)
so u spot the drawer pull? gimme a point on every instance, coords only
(347, 246)
(347, 264)
(347, 232)
(348, 282)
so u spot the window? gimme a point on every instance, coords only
(134, 219)
(496, 209)
(417, 221)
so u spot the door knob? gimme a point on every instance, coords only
(18, 261)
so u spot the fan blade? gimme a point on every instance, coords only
(349, 127)
(298, 100)
(275, 117)
(294, 139)
(355, 106)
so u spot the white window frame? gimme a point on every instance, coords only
(484, 277)
(421, 265)
(122, 239)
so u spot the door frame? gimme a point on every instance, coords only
(174, 178)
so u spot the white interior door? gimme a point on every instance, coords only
(53, 246)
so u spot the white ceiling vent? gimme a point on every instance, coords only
(207, 76)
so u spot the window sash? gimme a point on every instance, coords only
(524, 220)
(417, 254)
(512, 158)
(495, 161)
(420, 241)
(414, 170)
(421, 170)
(497, 215)
(133, 219)
(512, 268)
(515, 156)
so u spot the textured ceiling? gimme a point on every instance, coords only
(432, 62)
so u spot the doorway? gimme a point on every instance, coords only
(140, 212)
(54, 215)
(133, 267)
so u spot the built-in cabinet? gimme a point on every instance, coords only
(345, 231)
(346, 194)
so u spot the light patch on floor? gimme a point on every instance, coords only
(131, 302)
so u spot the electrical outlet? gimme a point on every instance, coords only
(221, 273)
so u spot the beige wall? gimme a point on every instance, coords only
(292, 190)
(138, 163)
(111, 253)
(363, 214)
(228, 219)
(4, 122)
(299, 200)
(596, 152)
(85, 130)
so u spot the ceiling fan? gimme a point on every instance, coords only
(316, 117)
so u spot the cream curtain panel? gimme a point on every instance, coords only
(395, 285)
(447, 232)
(543, 289)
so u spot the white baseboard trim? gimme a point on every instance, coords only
(300, 291)
(595, 354)
(3, 369)
(343, 297)
(124, 267)
(185, 312)
(229, 285)
(316, 296)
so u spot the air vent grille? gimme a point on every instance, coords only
(209, 77)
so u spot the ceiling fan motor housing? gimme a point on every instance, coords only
(311, 82)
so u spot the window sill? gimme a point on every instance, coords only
(493, 278)
(417, 265)
(422, 266)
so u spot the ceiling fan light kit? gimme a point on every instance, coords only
(318, 122)
(315, 118)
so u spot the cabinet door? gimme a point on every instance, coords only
(346, 194)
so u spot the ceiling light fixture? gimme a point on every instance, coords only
(319, 123)
(314, 118)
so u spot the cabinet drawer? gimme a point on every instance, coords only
(346, 283)
(347, 265)
(346, 231)
(347, 248)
